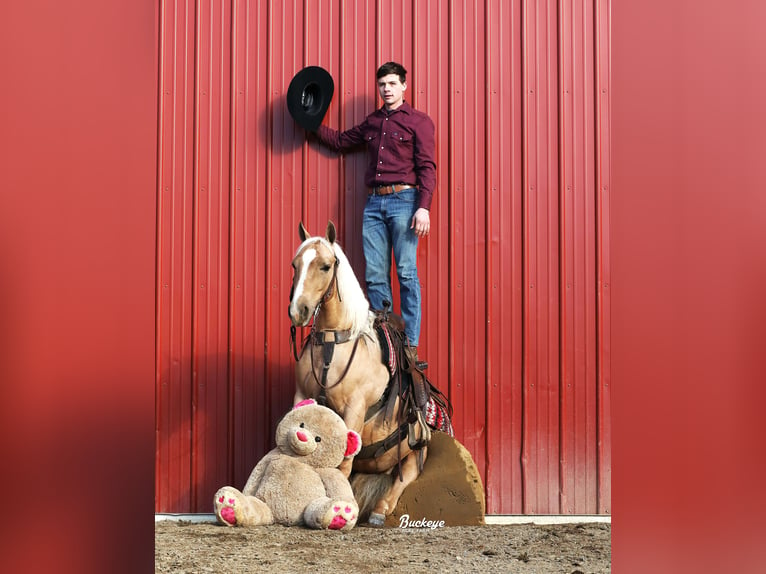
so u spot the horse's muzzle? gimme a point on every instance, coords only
(299, 314)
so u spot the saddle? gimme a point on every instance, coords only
(421, 404)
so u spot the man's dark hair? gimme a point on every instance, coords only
(392, 68)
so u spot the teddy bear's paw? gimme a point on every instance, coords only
(225, 503)
(343, 516)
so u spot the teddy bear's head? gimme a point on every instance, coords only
(317, 435)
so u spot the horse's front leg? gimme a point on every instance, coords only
(299, 396)
(387, 504)
(353, 416)
(345, 466)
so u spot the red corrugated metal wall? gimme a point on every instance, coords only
(515, 274)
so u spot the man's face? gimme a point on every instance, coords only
(391, 90)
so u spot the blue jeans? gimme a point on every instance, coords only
(386, 228)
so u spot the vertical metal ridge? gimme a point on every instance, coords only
(305, 216)
(524, 448)
(451, 296)
(489, 269)
(340, 89)
(603, 186)
(562, 262)
(171, 379)
(158, 258)
(210, 243)
(503, 276)
(565, 193)
(541, 230)
(195, 282)
(577, 265)
(231, 254)
(268, 223)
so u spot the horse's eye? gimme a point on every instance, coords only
(325, 268)
(318, 439)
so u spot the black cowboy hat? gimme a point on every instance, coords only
(309, 96)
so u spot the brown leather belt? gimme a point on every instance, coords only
(389, 189)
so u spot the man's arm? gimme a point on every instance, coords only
(425, 161)
(425, 171)
(341, 141)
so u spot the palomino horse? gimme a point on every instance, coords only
(341, 365)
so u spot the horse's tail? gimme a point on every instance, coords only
(368, 490)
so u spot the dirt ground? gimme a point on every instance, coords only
(182, 547)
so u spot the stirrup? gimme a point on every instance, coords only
(413, 360)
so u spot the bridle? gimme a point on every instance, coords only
(327, 338)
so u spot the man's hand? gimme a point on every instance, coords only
(421, 222)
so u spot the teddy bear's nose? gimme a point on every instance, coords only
(302, 436)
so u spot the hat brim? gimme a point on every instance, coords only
(309, 95)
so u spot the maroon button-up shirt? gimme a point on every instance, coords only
(401, 146)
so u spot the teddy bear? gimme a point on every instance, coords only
(298, 482)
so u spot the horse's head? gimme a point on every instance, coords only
(314, 274)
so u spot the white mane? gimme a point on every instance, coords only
(354, 302)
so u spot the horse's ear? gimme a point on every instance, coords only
(302, 233)
(331, 234)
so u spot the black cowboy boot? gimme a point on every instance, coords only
(411, 353)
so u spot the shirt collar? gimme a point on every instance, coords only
(405, 108)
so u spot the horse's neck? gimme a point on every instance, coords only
(345, 313)
(332, 317)
(348, 308)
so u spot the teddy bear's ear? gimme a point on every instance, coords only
(353, 444)
(305, 403)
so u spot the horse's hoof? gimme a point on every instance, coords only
(376, 519)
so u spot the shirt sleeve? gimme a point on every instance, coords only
(425, 162)
(341, 141)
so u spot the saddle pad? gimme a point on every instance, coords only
(387, 349)
(438, 418)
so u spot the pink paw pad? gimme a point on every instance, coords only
(227, 514)
(337, 523)
(343, 515)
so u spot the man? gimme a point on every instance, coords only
(400, 177)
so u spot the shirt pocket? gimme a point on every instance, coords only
(402, 144)
(372, 139)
